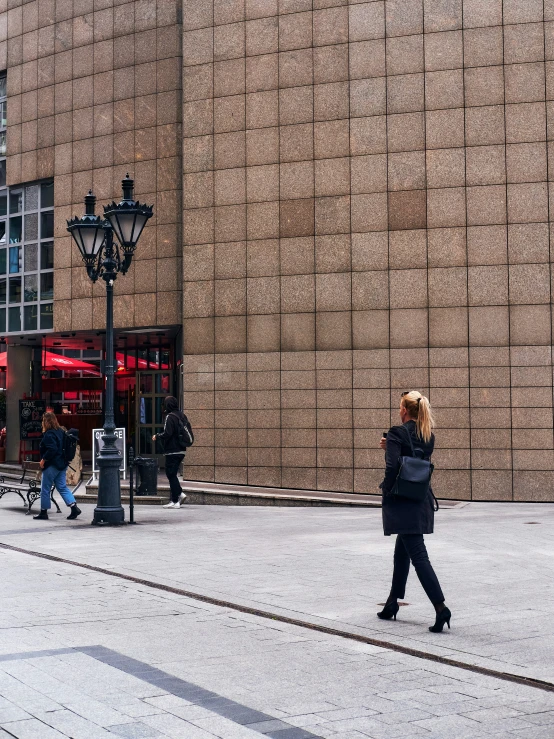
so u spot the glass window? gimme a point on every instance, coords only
(47, 194)
(2, 143)
(3, 173)
(47, 255)
(15, 290)
(47, 316)
(30, 318)
(15, 230)
(2, 319)
(28, 264)
(31, 288)
(31, 257)
(3, 112)
(162, 383)
(158, 418)
(47, 225)
(15, 259)
(16, 201)
(14, 319)
(47, 286)
(3, 90)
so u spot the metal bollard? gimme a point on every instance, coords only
(131, 488)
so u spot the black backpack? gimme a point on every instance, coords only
(414, 475)
(69, 447)
(185, 436)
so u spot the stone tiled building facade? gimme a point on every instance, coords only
(352, 199)
(94, 91)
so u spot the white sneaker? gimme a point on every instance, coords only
(176, 505)
(169, 505)
(182, 497)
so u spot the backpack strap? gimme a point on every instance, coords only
(409, 439)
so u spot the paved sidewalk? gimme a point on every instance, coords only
(88, 656)
(333, 567)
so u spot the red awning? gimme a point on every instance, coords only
(52, 361)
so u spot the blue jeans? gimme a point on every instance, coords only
(53, 476)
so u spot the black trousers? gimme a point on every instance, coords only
(411, 547)
(172, 464)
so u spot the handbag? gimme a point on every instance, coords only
(414, 476)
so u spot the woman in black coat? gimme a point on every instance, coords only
(410, 519)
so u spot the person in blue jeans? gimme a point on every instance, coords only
(54, 468)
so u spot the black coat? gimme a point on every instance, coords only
(401, 515)
(51, 449)
(169, 437)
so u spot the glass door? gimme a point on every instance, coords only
(152, 388)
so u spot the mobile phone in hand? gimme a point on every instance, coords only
(384, 434)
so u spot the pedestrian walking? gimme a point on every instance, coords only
(409, 503)
(53, 462)
(176, 437)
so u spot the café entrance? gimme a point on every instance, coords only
(68, 375)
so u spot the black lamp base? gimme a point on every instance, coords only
(109, 510)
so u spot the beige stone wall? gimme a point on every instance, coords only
(94, 91)
(366, 190)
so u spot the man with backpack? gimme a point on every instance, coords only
(57, 449)
(176, 437)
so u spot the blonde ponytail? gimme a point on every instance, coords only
(419, 409)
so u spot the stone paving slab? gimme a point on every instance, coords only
(104, 676)
(333, 567)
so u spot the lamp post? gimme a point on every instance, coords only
(106, 257)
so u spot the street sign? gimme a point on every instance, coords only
(98, 445)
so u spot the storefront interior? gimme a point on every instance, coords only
(66, 373)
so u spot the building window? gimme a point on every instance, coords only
(27, 257)
(26, 247)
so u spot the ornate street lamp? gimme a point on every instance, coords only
(106, 257)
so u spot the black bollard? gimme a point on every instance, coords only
(131, 490)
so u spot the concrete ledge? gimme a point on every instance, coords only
(199, 493)
(209, 493)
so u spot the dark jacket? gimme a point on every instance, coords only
(51, 449)
(169, 437)
(401, 515)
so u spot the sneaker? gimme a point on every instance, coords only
(176, 505)
(169, 505)
(75, 511)
(182, 497)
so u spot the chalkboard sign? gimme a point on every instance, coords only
(98, 445)
(30, 418)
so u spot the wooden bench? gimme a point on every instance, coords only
(28, 486)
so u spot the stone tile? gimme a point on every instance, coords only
(407, 210)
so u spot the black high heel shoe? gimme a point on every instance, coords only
(389, 611)
(443, 617)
